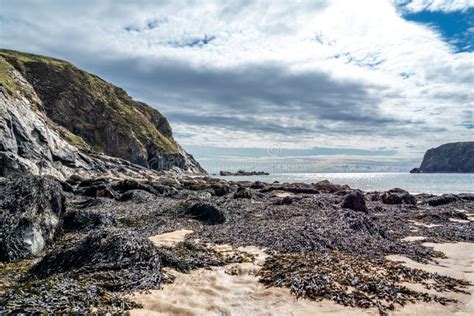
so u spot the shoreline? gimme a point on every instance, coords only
(183, 234)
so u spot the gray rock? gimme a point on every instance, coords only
(31, 208)
(206, 213)
(243, 193)
(355, 201)
(398, 196)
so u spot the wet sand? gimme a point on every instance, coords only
(170, 239)
(235, 290)
(458, 264)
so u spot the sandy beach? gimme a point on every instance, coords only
(235, 290)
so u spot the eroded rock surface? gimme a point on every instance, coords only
(30, 208)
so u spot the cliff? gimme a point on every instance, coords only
(52, 114)
(452, 157)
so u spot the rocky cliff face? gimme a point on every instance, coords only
(56, 119)
(452, 157)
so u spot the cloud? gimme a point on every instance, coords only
(436, 5)
(251, 73)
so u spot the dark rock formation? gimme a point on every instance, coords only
(243, 173)
(398, 196)
(134, 261)
(243, 193)
(221, 189)
(56, 119)
(81, 221)
(30, 210)
(442, 199)
(355, 201)
(452, 157)
(206, 213)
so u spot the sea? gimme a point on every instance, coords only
(434, 183)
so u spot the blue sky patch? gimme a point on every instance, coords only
(195, 42)
(457, 28)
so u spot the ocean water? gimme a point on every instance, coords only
(435, 183)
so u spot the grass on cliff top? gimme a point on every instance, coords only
(6, 79)
(26, 57)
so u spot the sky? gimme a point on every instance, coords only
(378, 81)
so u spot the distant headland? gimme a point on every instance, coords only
(452, 157)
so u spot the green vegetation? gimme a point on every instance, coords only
(6, 79)
(25, 57)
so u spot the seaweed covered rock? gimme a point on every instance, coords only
(327, 186)
(221, 189)
(30, 209)
(114, 260)
(442, 199)
(243, 193)
(85, 220)
(205, 213)
(137, 196)
(398, 196)
(355, 201)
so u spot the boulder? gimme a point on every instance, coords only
(137, 196)
(355, 201)
(442, 199)
(327, 186)
(134, 261)
(221, 189)
(85, 220)
(258, 185)
(206, 213)
(30, 210)
(398, 196)
(243, 193)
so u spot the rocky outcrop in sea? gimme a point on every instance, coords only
(452, 157)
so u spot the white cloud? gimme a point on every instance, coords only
(437, 5)
(252, 73)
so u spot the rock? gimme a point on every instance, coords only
(221, 189)
(442, 199)
(258, 185)
(129, 184)
(243, 193)
(327, 186)
(85, 220)
(287, 200)
(355, 201)
(467, 196)
(99, 191)
(242, 173)
(137, 196)
(30, 207)
(398, 196)
(452, 157)
(206, 213)
(117, 261)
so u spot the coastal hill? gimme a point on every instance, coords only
(46, 102)
(452, 157)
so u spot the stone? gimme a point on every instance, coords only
(243, 193)
(355, 201)
(31, 207)
(442, 199)
(206, 213)
(398, 196)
